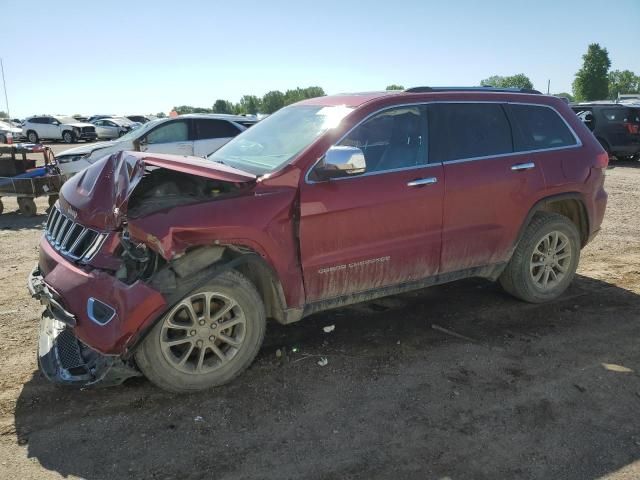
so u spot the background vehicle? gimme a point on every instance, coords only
(327, 202)
(140, 118)
(93, 118)
(56, 127)
(194, 134)
(114, 127)
(8, 131)
(616, 126)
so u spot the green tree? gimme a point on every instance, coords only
(272, 101)
(182, 109)
(624, 81)
(3, 114)
(565, 95)
(394, 86)
(222, 106)
(249, 104)
(161, 115)
(519, 80)
(592, 82)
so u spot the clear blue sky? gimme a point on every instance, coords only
(111, 56)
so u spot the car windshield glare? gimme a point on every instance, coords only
(276, 140)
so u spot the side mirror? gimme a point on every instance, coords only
(137, 143)
(341, 161)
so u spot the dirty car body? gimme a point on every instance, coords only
(360, 201)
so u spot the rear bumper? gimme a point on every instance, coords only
(66, 291)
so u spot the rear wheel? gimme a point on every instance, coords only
(32, 136)
(27, 206)
(210, 337)
(545, 260)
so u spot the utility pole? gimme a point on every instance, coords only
(548, 86)
(4, 84)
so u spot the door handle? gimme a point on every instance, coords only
(422, 181)
(523, 166)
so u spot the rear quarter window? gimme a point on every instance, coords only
(619, 115)
(539, 128)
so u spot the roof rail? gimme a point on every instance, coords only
(471, 89)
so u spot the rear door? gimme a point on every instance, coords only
(488, 188)
(379, 228)
(169, 137)
(211, 134)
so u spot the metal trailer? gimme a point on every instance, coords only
(26, 189)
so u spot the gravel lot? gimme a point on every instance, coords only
(536, 391)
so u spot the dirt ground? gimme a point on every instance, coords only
(535, 392)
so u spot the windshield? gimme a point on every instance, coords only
(277, 139)
(138, 132)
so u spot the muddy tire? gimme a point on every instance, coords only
(32, 136)
(27, 206)
(207, 339)
(545, 260)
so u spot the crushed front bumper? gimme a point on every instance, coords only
(62, 357)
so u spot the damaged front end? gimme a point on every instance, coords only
(100, 287)
(62, 358)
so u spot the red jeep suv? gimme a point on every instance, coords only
(170, 266)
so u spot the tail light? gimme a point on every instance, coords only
(632, 128)
(602, 160)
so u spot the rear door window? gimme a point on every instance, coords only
(539, 128)
(460, 131)
(206, 129)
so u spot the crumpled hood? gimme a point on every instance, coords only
(87, 148)
(97, 196)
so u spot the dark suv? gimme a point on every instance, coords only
(616, 126)
(171, 266)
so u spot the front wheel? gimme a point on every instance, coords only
(32, 136)
(68, 137)
(207, 339)
(545, 260)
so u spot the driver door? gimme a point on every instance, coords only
(379, 228)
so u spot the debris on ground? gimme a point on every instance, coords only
(323, 361)
(452, 333)
(329, 328)
(198, 419)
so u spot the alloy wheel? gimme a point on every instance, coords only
(203, 333)
(550, 260)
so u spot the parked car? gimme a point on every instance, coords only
(616, 126)
(93, 118)
(140, 118)
(56, 127)
(114, 127)
(9, 132)
(195, 134)
(172, 265)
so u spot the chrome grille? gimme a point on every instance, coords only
(70, 238)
